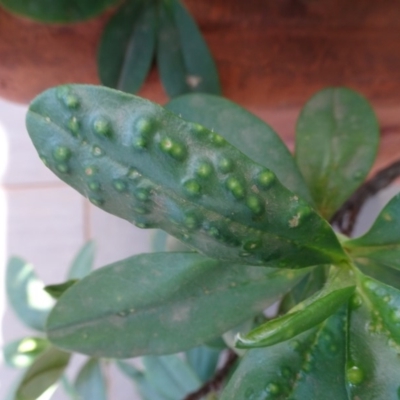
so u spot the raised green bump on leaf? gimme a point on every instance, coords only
(311, 312)
(57, 10)
(22, 353)
(127, 46)
(289, 232)
(90, 383)
(26, 295)
(311, 367)
(43, 374)
(381, 244)
(142, 305)
(246, 132)
(374, 347)
(184, 60)
(337, 136)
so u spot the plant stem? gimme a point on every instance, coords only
(216, 381)
(346, 217)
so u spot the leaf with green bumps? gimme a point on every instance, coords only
(381, 244)
(337, 136)
(90, 383)
(373, 358)
(83, 262)
(127, 46)
(310, 367)
(311, 312)
(57, 10)
(142, 163)
(142, 305)
(26, 295)
(23, 352)
(56, 291)
(246, 132)
(43, 374)
(184, 60)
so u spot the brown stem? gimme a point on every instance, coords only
(346, 217)
(216, 381)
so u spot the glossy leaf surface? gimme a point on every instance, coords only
(381, 244)
(309, 367)
(128, 45)
(57, 10)
(338, 289)
(337, 137)
(374, 350)
(26, 295)
(90, 383)
(142, 305)
(42, 374)
(184, 60)
(83, 262)
(142, 163)
(256, 139)
(21, 353)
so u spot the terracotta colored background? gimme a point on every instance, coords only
(271, 55)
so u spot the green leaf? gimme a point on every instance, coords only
(374, 348)
(309, 285)
(337, 136)
(161, 241)
(171, 376)
(43, 374)
(26, 295)
(184, 60)
(142, 305)
(256, 139)
(338, 289)
(22, 353)
(310, 367)
(142, 163)
(90, 384)
(140, 379)
(57, 10)
(381, 243)
(83, 262)
(69, 388)
(56, 291)
(204, 361)
(127, 46)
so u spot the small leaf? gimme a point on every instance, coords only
(184, 60)
(57, 11)
(171, 376)
(310, 367)
(374, 348)
(142, 163)
(127, 46)
(338, 289)
(381, 244)
(204, 361)
(145, 388)
(142, 305)
(256, 139)
(90, 384)
(26, 295)
(83, 262)
(56, 291)
(43, 374)
(337, 136)
(22, 353)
